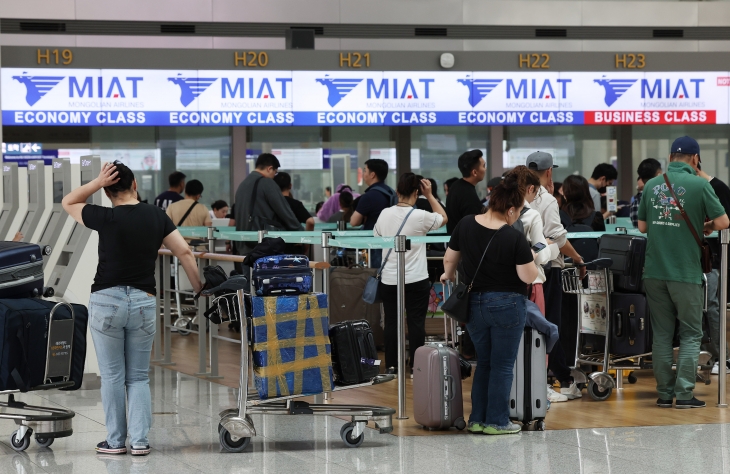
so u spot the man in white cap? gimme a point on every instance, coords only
(547, 206)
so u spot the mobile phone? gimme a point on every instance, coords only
(538, 246)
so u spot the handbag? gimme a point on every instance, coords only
(371, 292)
(705, 249)
(457, 305)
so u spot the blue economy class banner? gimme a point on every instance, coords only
(119, 97)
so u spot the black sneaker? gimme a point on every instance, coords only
(660, 402)
(391, 371)
(104, 448)
(140, 450)
(693, 403)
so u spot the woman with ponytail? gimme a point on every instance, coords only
(405, 219)
(497, 299)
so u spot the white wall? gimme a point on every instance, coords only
(406, 12)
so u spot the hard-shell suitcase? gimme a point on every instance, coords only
(24, 342)
(346, 303)
(528, 396)
(628, 253)
(631, 327)
(21, 270)
(437, 397)
(354, 356)
(282, 275)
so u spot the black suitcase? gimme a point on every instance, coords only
(628, 253)
(346, 304)
(24, 342)
(21, 270)
(354, 356)
(630, 324)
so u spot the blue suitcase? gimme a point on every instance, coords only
(21, 270)
(282, 275)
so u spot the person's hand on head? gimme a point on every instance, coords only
(108, 175)
(426, 188)
(550, 187)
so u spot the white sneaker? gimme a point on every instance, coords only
(571, 392)
(716, 369)
(555, 397)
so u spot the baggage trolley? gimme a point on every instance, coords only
(596, 290)
(47, 423)
(236, 427)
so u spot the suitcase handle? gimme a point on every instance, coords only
(632, 325)
(286, 280)
(452, 392)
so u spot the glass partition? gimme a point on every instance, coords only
(351, 147)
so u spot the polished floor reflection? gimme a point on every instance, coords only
(184, 439)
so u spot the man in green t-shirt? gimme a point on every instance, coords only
(673, 272)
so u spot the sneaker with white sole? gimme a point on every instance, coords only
(555, 397)
(716, 369)
(509, 428)
(571, 392)
(104, 448)
(140, 450)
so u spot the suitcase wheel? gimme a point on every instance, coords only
(632, 378)
(20, 444)
(346, 435)
(540, 425)
(459, 424)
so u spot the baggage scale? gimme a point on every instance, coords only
(236, 428)
(47, 423)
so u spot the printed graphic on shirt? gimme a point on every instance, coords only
(664, 202)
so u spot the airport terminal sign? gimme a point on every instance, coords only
(289, 98)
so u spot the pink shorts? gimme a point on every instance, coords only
(538, 297)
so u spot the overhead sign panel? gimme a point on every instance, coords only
(119, 97)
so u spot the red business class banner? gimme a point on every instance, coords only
(649, 117)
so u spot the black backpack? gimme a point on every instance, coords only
(586, 248)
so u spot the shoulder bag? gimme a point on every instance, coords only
(185, 216)
(705, 249)
(371, 293)
(457, 306)
(257, 222)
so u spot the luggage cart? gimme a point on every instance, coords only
(236, 428)
(47, 423)
(596, 289)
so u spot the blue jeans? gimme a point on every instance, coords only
(496, 324)
(122, 321)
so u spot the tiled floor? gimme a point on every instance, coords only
(184, 440)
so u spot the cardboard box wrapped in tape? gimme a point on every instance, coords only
(291, 345)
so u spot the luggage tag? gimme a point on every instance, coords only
(370, 362)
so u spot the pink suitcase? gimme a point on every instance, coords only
(437, 399)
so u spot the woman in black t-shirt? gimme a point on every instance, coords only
(497, 300)
(122, 310)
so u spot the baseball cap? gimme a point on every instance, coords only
(540, 161)
(686, 145)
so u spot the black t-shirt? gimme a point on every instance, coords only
(723, 194)
(372, 202)
(129, 238)
(298, 209)
(462, 201)
(508, 249)
(167, 198)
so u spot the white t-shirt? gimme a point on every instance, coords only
(420, 222)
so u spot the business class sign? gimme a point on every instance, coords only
(289, 98)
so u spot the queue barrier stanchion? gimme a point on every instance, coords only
(722, 377)
(157, 342)
(166, 311)
(212, 328)
(400, 251)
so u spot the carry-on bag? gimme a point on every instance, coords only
(282, 275)
(628, 253)
(437, 396)
(24, 342)
(354, 356)
(21, 270)
(631, 327)
(528, 395)
(346, 303)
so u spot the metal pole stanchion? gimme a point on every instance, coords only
(157, 351)
(166, 317)
(326, 236)
(722, 378)
(213, 337)
(400, 250)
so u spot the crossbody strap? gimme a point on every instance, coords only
(185, 216)
(681, 211)
(253, 198)
(385, 260)
(476, 272)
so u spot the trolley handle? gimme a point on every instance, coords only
(599, 263)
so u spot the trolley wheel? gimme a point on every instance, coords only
(346, 435)
(632, 378)
(44, 442)
(597, 393)
(459, 424)
(540, 425)
(708, 381)
(181, 326)
(229, 445)
(20, 444)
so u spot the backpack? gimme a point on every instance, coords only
(586, 248)
(518, 223)
(389, 193)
